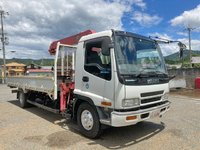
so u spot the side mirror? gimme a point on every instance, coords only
(181, 46)
(105, 46)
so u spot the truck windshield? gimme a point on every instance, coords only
(138, 56)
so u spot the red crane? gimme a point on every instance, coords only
(71, 40)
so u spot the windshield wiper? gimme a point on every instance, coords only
(140, 73)
(161, 72)
(146, 75)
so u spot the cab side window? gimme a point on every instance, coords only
(95, 62)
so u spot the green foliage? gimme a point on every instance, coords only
(173, 67)
(38, 74)
(196, 66)
(1, 75)
(171, 62)
(186, 65)
(174, 58)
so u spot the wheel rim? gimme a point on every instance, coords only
(87, 120)
(21, 98)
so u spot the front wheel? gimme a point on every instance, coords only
(88, 121)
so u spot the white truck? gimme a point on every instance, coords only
(110, 78)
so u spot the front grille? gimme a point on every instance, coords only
(151, 93)
(149, 100)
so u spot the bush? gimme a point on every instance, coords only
(196, 66)
(173, 67)
(186, 65)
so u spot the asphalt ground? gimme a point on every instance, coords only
(35, 128)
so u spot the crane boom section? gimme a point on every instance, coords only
(71, 40)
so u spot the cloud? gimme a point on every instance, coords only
(187, 19)
(34, 24)
(57, 19)
(141, 4)
(195, 44)
(146, 20)
(168, 49)
(182, 33)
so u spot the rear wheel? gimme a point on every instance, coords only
(88, 121)
(22, 99)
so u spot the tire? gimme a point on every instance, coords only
(88, 121)
(22, 99)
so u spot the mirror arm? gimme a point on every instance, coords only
(179, 69)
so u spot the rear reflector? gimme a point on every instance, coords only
(131, 117)
(168, 107)
(106, 103)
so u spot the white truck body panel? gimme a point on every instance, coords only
(96, 35)
(41, 84)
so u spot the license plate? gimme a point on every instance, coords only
(155, 114)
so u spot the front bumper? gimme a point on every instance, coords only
(119, 119)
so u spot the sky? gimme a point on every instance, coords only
(32, 25)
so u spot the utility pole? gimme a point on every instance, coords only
(42, 61)
(189, 29)
(3, 40)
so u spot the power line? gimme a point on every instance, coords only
(189, 29)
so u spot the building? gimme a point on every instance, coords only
(31, 66)
(14, 69)
(195, 60)
(40, 72)
(46, 67)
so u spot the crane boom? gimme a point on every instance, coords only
(71, 40)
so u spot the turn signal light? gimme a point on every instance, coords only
(131, 117)
(106, 103)
(168, 107)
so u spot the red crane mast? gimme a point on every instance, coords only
(71, 40)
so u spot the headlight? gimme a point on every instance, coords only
(165, 96)
(130, 102)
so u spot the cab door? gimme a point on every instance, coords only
(97, 71)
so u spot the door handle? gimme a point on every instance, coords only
(85, 79)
